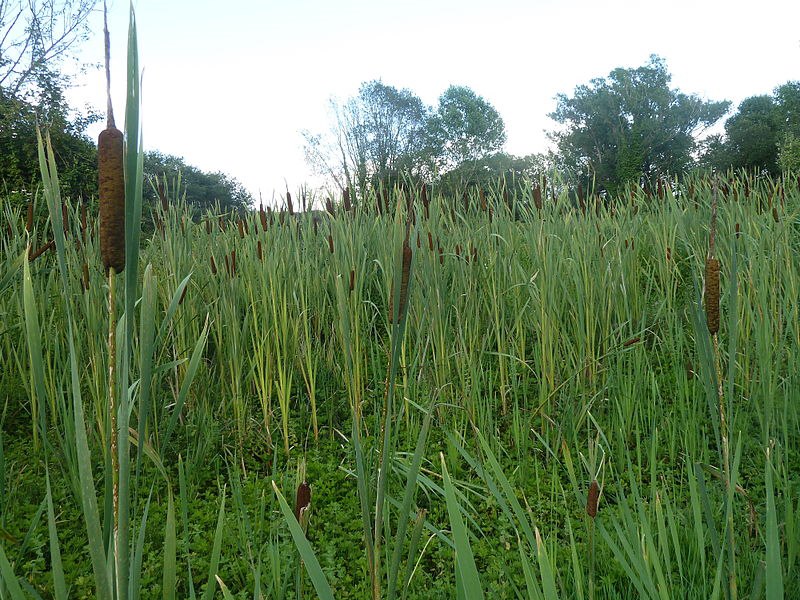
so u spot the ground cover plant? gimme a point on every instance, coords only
(516, 391)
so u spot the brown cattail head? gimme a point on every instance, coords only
(712, 295)
(329, 207)
(330, 243)
(259, 251)
(346, 200)
(240, 225)
(537, 197)
(289, 205)
(29, 220)
(738, 230)
(669, 254)
(302, 500)
(352, 280)
(775, 214)
(263, 216)
(162, 195)
(85, 276)
(111, 186)
(592, 499)
(423, 196)
(213, 265)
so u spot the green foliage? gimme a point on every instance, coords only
(76, 154)
(761, 135)
(789, 153)
(630, 125)
(464, 129)
(201, 190)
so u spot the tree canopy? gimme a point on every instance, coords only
(384, 134)
(762, 135)
(630, 125)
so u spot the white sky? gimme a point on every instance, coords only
(229, 85)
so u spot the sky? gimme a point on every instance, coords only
(229, 86)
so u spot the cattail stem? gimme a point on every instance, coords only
(112, 402)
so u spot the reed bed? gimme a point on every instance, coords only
(517, 390)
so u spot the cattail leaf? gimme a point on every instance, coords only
(216, 550)
(465, 561)
(194, 364)
(318, 579)
(56, 567)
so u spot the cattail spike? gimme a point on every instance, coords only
(712, 295)
(592, 499)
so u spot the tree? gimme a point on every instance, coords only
(76, 154)
(761, 135)
(464, 129)
(378, 135)
(35, 35)
(202, 191)
(630, 125)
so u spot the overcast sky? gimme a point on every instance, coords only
(230, 85)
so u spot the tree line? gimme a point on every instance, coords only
(631, 126)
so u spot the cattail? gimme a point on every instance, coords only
(537, 197)
(162, 195)
(631, 342)
(404, 276)
(304, 201)
(581, 199)
(330, 243)
(738, 230)
(183, 295)
(208, 226)
(233, 262)
(111, 186)
(85, 276)
(240, 225)
(222, 225)
(302, 500)
(458, 250)
(346, 200)
(712, 295)
(430, 241)
(352, 280)
(111, 180)
(29, 220)
(263, 216)
(329, 207)
(315, 225)
(213, 265)
(419, 243)
(425, 201)
(592, 499)
(289, 204)
(474, 254)
(227, 265)
(669, 254)
(259, 252)
(775, 214)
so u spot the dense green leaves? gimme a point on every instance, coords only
(630, 125)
